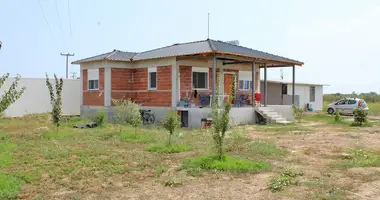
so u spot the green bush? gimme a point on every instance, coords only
(9, 186)
(101, 118)
(286, 178)
(360, 117)
(227, 163)
(127, 112)
(171, 123)
(176, 148)
(337, 117)
(298, 113)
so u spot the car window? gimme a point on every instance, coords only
(351, 102)
(341, 102)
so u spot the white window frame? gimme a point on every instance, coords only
(245, 76)
(92, 75)
(200, 70)
(152, 70)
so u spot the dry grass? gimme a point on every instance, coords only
(102, 163)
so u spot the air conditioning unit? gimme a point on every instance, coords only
(234, 42)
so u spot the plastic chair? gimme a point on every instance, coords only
(203, 98)
(241, 99)
(258, 98)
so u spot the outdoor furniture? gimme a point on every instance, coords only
(241, 100)
(223, 96)
(206, 122)
(203, 98)
(258, 98)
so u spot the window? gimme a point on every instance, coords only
(245, 85)
(152, 79)
(351, 101)
(284, 88)
(312, 94)
(200, 78)
(245, 80)
(341, 102)
(93, 79)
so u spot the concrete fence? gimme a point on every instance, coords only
(36, 98)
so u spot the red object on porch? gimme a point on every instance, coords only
(257, 98)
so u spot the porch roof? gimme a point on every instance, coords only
(203, 47)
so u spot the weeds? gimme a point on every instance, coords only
(360, 158)
(175, 148)
(286, 178)
(101, 118)
(228, 163)
(171, 182)
(160, 170)
(136, 138)
(9, 186)
(264, 148)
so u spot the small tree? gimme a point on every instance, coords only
(360, 117)
(220, 123)
(10, 96)
(127, 112)
(297, 113)
(171, 123)
(337, 117)
(55, 99)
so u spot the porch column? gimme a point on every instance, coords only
(81, 87)
(174, 83)
(294, 84)
(214, 79)
(107, 85)
(265, 86)
(253, 84)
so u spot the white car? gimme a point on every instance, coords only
(347, 106)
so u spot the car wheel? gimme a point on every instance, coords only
(330, 111)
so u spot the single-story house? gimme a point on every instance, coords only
(162, 79)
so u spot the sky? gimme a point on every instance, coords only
(339, 41)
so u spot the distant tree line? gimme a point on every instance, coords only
(371, 97)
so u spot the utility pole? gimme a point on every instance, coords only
(67, 63)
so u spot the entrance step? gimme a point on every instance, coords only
(271, 116)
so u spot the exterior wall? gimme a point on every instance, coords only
(133, 83)
(93, 97)
(303, 91)
(274, 94)
(36, 98)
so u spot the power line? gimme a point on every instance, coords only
(47, 23)
(68, 9)
(60, 24)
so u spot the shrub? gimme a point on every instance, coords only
(171, 123)
(298, 113)
(10, 96)
(287, 177)
(227, 163)
(101, 118)
(360, 117)
(176, 148)
(9, 186)
(55, 99)
(337, 117)
(127, 112)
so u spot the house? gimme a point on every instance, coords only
(279, 93)
(160, 78)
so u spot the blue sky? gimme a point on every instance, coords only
(338, 40)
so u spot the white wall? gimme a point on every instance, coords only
(36, 98)
(304, 95)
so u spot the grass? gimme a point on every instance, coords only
(229, 163)
(175, 148)
(266, 149)
(136, 138)
(281, 129)
(56, 135)
(9, 186)
(6, 151)
(329, 119)
(286, 178)
(360, 158)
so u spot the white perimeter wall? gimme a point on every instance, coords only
(304, 94)
(36, 98)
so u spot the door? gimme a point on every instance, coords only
(351, 106)
(227, 84)
(342, 106)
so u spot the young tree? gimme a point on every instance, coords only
(171, 123)
(10, 96)
(360, 117)
(55, 99)
(127, 112)
(220, 123)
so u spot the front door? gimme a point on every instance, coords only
(227, 84)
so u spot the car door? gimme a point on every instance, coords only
(342, 106)
(351, 106)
